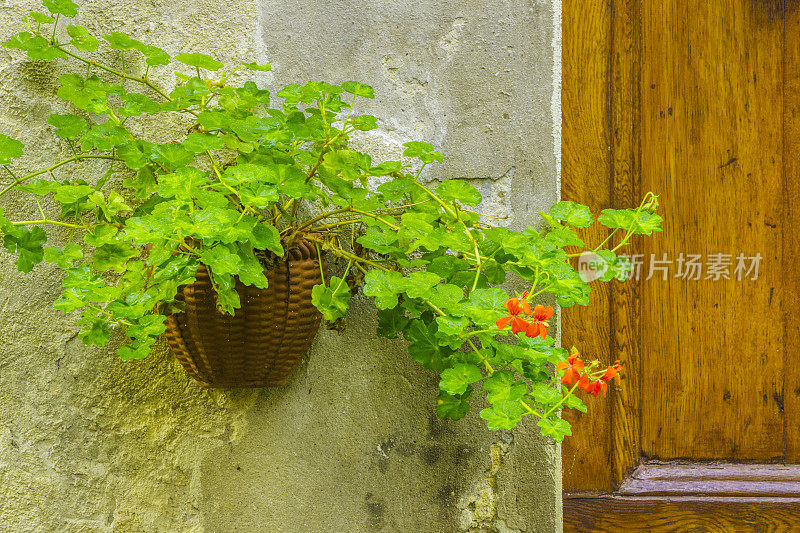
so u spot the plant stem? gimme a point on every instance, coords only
(489, 369)
(124, 75)
(74, 158)
(376, 217)
(528, 407)
(474, 333)
(347, 255)
(562, 400)
(319, 260)
(341, 280)
(47, 221)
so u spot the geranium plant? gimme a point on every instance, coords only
(249, 180)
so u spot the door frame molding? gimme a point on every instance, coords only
(678, 495)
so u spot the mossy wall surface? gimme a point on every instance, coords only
(89, 443)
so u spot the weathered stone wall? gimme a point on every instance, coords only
(351, 443)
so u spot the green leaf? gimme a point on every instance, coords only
(252, 271)
(155, 55)
(39, 18)
(385, 286)
(545, 394)
(452, 407)
(456, 380)
(200, 142)
(183, 184)
(82, 39)
(221, 259)
(9, 149)
(68, 126)
(558, 428)
(68, 8)
(104, 137)
(364, 123)
(418, 226)
(94, 330)
(419, 284)
(267, 237)
(417, 148)
(143, 184)
(121, 41)
(28, 244)
(214, 120)
(200, 61)
(573, 402)
(379, 240)
(358, 89)
(256, 66)
(113, 256)
(563, 236)
(135, 350)
(227, 297)
(459, 190)
(391, 322)
(502, 387)
(171, 156)
(503, 416)
(70, 193)
(397, 188)
(641, 223)
(18, 40)
(422, 150)
(63, 257)
(150, 325)
(331, 301)
(424, 347)
(446, 296)
(573, 214)
(91, 92)
(70, 300)
(101, 235)
(386, 168)
(136, 104)
(347, 163)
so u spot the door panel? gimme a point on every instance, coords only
(711, 115)
(791, 242)
(698, 101)
(585, 153)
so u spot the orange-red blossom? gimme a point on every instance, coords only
(534, 326)
(573, 373)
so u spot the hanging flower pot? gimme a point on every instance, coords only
(263, 341)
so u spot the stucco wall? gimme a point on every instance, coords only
(351, 443)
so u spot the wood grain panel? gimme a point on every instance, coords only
(586, 166)
(791, 229)
(718, 515)
(711, 117)
(624, 315)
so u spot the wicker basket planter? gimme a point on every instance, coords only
(263, 341)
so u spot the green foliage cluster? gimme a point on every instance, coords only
(228, 194)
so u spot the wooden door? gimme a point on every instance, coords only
(699, 102)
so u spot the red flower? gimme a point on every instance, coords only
(573, 366)
(612, 372)
(539, 327)
(515, 306)
(519, 324)
(592, 387)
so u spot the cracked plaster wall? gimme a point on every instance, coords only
(351, 443)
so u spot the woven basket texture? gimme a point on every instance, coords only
(263, 341)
